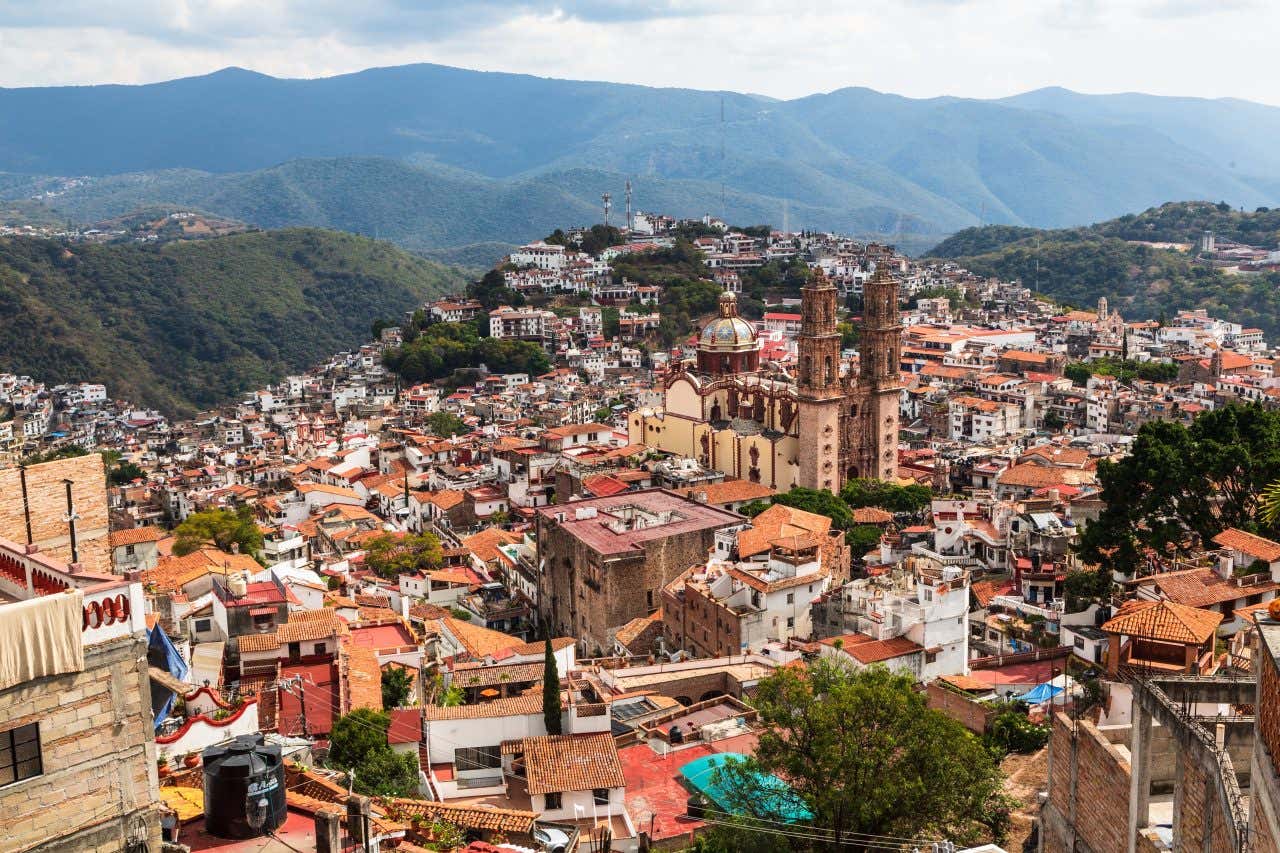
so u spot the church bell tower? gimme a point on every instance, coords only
(878, 377)
(819, 392)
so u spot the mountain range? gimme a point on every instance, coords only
(441, 158)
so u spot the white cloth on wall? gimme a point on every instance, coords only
(40, 637)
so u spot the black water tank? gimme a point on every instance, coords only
(243, 788)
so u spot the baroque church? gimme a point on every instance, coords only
(814, 429)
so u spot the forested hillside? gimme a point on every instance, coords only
(190, 324)
(1078, 265)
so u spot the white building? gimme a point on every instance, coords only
(912, 620)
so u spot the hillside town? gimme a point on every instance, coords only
(554, 595)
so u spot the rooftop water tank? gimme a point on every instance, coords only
(244, 788)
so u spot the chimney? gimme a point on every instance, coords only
(1224, 565)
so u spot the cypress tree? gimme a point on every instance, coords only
(550, 691)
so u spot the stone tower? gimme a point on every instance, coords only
(874, 450)
(819, 392)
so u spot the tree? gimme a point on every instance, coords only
(491, 291)
(863, 537)
(864, 492)
(868, 757)
(391, 555)
(818, 501)
(358, 741)
(397, 687)
(120, 470)
(446, 424)
(1182, 484)
(228, 530)
(550, 690)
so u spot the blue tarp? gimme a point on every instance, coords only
(1040, 693)
(162, 654)
(778, 801)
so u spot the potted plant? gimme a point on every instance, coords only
(191, 759)
(162, 766)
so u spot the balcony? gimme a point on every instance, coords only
(36, 591)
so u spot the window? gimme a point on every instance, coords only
(600, 796)
(791, 598)
(203, 626)
(20, 754)
(321, 648)
(791, 621)
(551, 801)
(477, 758)
(930, 657)
(128, 550)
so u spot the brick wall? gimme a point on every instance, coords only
(1199, 809)
(1100, 806)
(47, 501)
(98, 757)
(973, 715)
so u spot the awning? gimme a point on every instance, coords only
(262, 611)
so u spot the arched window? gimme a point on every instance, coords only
(827, 373)
(807, 373)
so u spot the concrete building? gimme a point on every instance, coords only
(923, 602)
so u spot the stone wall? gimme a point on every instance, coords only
(1088, 791)
(99, 778)
(47, 503)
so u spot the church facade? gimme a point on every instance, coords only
(816, 429)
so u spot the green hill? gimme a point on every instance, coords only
(191, 324)
(1079, 265)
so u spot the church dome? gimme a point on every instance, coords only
(727, 332)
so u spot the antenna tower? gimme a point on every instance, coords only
(608, 205)
(630, 218)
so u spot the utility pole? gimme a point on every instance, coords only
(296, 681)
(70, 519)
(630, 219)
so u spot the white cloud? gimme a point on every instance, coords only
(921, 48)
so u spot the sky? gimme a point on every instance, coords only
(918, 48)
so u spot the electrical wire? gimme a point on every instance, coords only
(887, 842)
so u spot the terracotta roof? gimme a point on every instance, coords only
(481, 817)
(489, 676)
(1164, 620)
(572, 763)
(1038, 476)
(629, 632)
(1247, 543)
(476, 639)
(406, 725)
(485, 543)
(730, 491)
(258, 642)
(1203, 587)
(135, 536)
(871, 515)
(363, 676)
(984, 591)
(868, 650)
(776, 522)
(305, 625)
(510, 706)
(173, 573)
